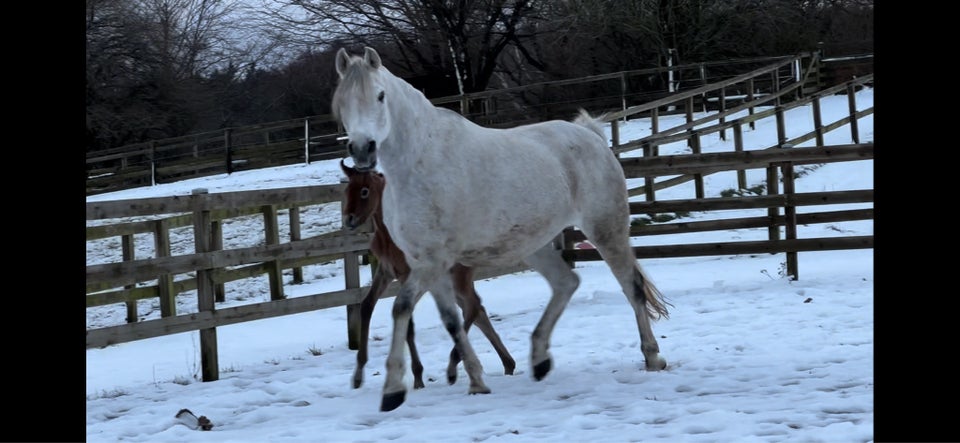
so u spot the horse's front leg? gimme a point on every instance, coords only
(394, 390)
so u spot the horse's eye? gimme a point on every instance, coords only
(380, 97)
(364, 192)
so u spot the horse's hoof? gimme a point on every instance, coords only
(452, 377)
(657, 365)
(418, 384)
(392, 401)
(479, 390)
(357, 384)
(541, 369)
(508, 369)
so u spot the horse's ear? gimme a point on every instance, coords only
(342, 59)
(346, 169)
(370, 56)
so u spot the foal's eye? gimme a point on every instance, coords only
(364, 192)
(380, 97)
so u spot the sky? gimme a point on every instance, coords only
(752, 356)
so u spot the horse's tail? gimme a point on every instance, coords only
(592, 123)
(653, 299)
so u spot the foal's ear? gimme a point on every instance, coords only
(342, 59)
(346, 169)
(370, 56)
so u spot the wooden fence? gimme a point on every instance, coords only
(210, 266)
(318, 137)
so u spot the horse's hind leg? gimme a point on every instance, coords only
(613, 242)
(380, 282)
(563, 281)
(473, 311)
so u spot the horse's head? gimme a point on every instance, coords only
(360, 104)
(364, 192)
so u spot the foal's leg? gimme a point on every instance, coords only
(612, 240)
(415, 364)
(380, 282)
(473, 310)
(549, 263)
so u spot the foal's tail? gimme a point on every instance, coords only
(644, 289)
(592, 123)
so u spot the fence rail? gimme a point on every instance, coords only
(707, 85)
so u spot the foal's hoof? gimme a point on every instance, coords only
(452, 378)
(357, 382)
(541, 369)
(657, 365)
(392, 401)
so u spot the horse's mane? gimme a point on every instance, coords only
(354, 76)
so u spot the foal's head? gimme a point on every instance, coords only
(364, 191)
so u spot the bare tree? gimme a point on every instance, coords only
(459, 37)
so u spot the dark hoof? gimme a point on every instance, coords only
(508, 369)
(418, 384)
(451, 379)
(541, 370)
(357, 384)
(392, 401)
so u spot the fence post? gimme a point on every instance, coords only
(216, 244)
(781, 127)
(209, 361)
(295, 236)
(227, 147)
(689, 112)
(306, 140)
(272, 234)
(773, 188)
(703, 82)
(738, 147)
(750, 98)
(697, 178)
(790, 216)
(623, 92)
(648, 181)
(817, 120)
(129, 252)
(654, 121)
(775, 88)
(615, 135)
(161, 242)
(852, 100)
(723, 107)
(153, 163)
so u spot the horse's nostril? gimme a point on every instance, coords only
(372, 146)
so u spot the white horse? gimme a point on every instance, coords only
(462, 193)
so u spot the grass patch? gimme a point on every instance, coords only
(315, 351)
(644, 220)
(104, 393)
(182, 380)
